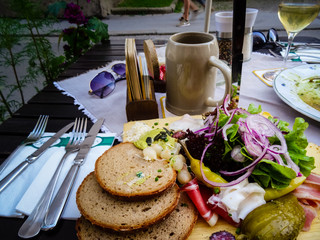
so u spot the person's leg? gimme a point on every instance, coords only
(184, 20)
(195, 10)
(202, 3)
(186, 9)
(193, 6)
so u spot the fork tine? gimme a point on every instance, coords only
(80, 132)
(71, 139)
(36, 126)
(40, 126)
(42, 120)
(44, 125)
(76, 132)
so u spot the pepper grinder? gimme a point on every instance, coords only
(223, 22)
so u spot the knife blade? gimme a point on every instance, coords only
(32, 158)
(62, 195)
(87, 143)
(239, 18)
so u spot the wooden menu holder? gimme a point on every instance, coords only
(141, 101)
(153, 66)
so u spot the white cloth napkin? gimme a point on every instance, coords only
(22, 195)
(12, 194)
(252, 90)
(112, 108)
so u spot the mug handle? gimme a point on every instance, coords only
(226, 71)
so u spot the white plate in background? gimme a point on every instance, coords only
(284, 86)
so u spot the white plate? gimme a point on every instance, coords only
(284, 86)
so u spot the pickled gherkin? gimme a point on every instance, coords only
(280, 219)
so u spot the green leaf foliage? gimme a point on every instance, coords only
(99, 28)
(269, 173)
(253, 110)
(37, 50)
(56, 7)
(297, 143)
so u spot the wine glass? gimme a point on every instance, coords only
(295, 15)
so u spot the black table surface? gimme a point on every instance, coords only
(61, 111)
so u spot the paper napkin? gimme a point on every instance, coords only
(22, 195)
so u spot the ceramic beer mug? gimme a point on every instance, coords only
(191, 67)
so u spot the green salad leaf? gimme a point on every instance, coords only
(254, 110)
(297, 143)
(269, 173)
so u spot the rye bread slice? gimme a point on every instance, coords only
(122, 171)
(109, 211)
(178, 225)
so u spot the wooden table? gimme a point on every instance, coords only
(61, 110)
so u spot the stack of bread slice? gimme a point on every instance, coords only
(128, 197)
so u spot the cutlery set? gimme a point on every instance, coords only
(34, 136)
(60, 199)
(48, 211)
(31, 158)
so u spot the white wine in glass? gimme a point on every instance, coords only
(295, 16)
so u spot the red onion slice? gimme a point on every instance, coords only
(224, 131)
(225, 105)
(265, 127)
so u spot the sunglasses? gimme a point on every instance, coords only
(261, 41)
(105, 82)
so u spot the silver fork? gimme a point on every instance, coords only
(32, 226)
(33, 136)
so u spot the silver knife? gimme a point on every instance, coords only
(32, 157)
(60, 199)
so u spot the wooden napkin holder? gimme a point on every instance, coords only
(142, 109)
(141, 101)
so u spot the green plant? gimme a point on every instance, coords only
(42, 61)
(179, 6)
(80, 37)
(32, 30)
(8, 105)
(10, 29)
(27, 31)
